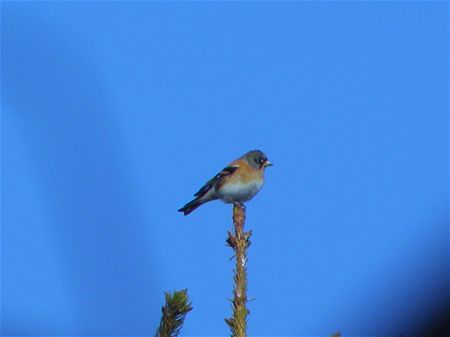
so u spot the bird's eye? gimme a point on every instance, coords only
(256, 160)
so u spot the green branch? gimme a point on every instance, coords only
(239, 241)
(173, 314)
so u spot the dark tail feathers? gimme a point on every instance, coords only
(190, 206)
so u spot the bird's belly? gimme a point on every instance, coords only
(238, 192)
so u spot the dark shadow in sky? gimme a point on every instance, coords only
(439, 325)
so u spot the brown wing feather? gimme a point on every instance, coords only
(225, 172)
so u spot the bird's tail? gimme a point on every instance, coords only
(191, 205)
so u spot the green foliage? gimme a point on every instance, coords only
(173, 313)
(177, 304)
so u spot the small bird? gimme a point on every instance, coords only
(236, 183)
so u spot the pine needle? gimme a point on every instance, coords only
(173, 313)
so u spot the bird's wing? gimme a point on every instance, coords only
(207, 187)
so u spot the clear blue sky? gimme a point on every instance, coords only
(115, 113)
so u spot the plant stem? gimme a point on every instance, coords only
(173, 314)
(239, 241)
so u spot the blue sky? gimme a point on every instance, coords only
(115, 113)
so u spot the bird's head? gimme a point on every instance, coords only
(257, 159)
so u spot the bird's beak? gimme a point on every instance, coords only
(268, 163)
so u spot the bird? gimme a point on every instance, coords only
(237, 183)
